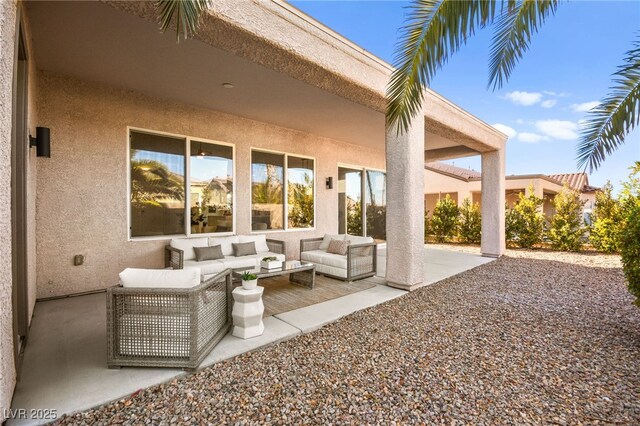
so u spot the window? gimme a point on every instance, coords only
(271, 207)
(211, 187)
(300, 192)
(162, 186)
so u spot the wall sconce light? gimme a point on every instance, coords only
(329, 182)
(41, 142)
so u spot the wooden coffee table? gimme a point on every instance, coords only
(300, 272)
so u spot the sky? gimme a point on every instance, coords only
(566, 70)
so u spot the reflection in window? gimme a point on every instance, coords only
(300, 192)
(376, 210)
(211, 188)
(349, 201)
(267, 191)
(157, 184)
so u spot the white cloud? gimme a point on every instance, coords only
(524, 98)
(509, 131)
(520, 121)
(549, 92)
(585, 106)
(549, 103)
(530, 137)
(558, 129)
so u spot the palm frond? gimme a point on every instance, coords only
(186, 12)
(516, 23)
(616, 116)
(435, 29)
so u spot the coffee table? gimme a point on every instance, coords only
(300, 272)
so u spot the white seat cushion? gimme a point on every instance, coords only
(207, 267)
(327, 239)
(233, 262)
(160, 278)
(353, 239)
(225, 243)
(260, 240)
(321, 257)
(187, 245)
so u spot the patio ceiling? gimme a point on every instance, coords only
(121, 46)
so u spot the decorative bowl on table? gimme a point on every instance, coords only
(271, 262)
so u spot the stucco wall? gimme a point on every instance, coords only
(7, 38)
(32, 122)
(81, 190)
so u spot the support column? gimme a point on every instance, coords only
(493, 199)
(405, 206)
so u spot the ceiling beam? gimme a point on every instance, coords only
(449, 153)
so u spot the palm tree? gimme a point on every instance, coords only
(152, 182)
(436, 29)
(187, 15)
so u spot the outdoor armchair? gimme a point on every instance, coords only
(359, 262)
(167, 327)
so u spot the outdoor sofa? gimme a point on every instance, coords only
(180, 253)
(166, 318)
(358, 262)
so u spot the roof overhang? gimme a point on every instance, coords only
(287, 69)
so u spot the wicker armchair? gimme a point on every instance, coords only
(361, 259)
(167, 327)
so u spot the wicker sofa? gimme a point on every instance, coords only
(166, 318)
(358, 263)
(180, 254)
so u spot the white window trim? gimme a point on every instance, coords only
(285, 192)
(187, 198)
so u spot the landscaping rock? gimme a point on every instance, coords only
(534, 337)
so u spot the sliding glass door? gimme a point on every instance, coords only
(349, 201)
(362, 202)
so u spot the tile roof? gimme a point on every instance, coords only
(577, 181)
(459, 172)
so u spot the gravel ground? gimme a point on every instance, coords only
(534, 337)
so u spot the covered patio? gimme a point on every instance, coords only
(64, 363)
(260, 82)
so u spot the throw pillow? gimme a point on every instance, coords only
(338, 247)
(208, 253)
(244, 249)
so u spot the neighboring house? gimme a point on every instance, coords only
(263, 95)
(441, 179)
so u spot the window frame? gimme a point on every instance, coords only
(285, 192)
(187, 196)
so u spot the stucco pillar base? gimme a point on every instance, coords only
(407, 287)
(405, 206)
(493, 203)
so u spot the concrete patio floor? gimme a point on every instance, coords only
(64, 365)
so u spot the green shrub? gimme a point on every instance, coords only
(630, 236)
(606, 221)
(630, 249)
(526, 221)
(566, 228)
(427, 225)
(444, 221)
(470, 226)
(510, 225)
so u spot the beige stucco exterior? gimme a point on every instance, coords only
(82, 189)
(7, 42)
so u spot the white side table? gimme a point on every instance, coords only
(247, 312)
